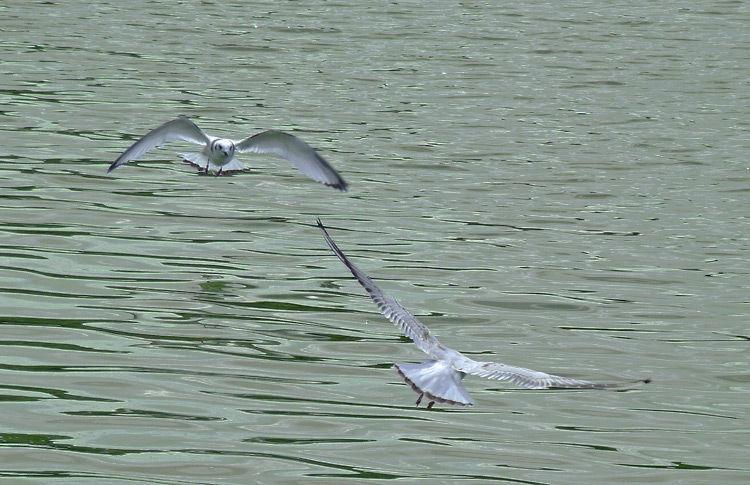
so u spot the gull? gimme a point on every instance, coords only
(438, 379)
(218, 153)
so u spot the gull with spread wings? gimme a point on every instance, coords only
(218, 153)
(439, 378)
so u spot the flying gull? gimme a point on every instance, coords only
(218, 153)
(439, 378)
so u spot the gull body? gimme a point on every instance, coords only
(438, 379)
(217, 154)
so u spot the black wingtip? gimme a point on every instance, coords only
(626, 386)
(336, 250)
(327, 237)
(341, 185)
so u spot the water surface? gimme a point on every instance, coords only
(562, 187)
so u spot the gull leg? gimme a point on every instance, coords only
(220, 169)
(209, 163)
(419, 399)
(432, 403)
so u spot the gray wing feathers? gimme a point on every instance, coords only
(526, 377)
(178, 129)
(408, 323)
(297, 152)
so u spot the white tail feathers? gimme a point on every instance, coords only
(199, 161)
(437, 381)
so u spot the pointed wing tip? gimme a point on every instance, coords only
(621, 386)
(339, 185)
(331, 243)
(625, 386)
(328, 238)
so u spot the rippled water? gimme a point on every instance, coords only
(563, 187)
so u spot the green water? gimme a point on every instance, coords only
(552, 185)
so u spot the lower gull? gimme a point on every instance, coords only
(439, 378)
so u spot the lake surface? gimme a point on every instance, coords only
(560, 186)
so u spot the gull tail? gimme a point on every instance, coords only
(199, 161)
(436, 381)
(234, 166)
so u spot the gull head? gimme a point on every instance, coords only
(221, 149)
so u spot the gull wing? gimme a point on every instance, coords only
(178, 129)
(297, 152)
(408, 323)
(525, 377)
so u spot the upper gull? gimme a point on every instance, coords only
(218, 153)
